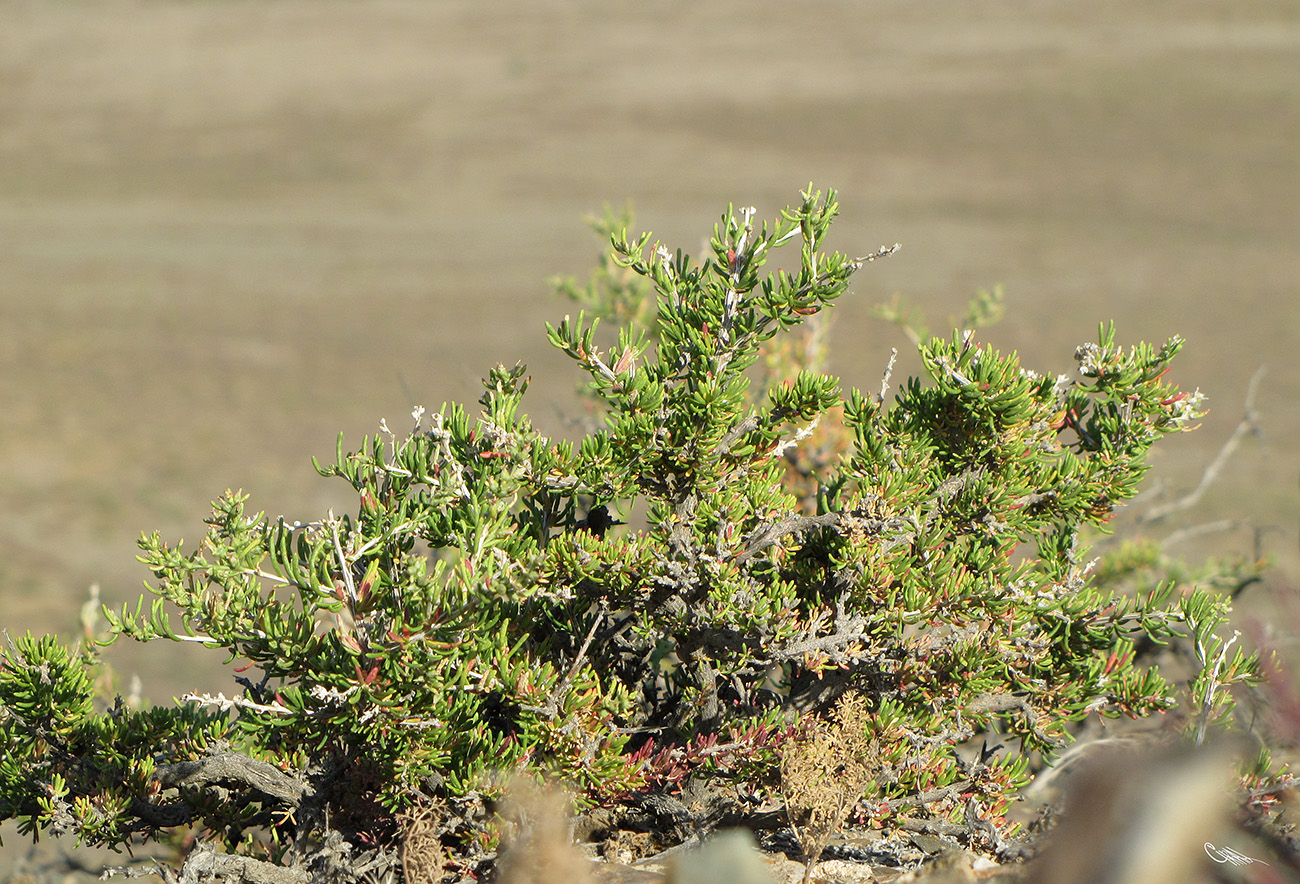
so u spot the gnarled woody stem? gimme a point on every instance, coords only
(206, 864)
(231, 768)
(769, 533)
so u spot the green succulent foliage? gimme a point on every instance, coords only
(74, 768)
(482, 611)
(401, 635)
(942, 562)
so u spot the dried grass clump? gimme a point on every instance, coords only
(422, 851)
(824, 774)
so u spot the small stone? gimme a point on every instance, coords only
(731, 857)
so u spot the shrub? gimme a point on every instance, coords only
(670, 602)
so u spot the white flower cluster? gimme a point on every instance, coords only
(1188, 409)
(1091, 357)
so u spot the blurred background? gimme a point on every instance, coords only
(231, 229)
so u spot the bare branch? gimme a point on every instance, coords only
(819, 643)
(205, 864)
(798, 437)
(1194, 531)
(343, 560)
(1249, 424)
(889, 373)
(769, 533)
(882, 252)
(748, 425)
(226, 703)
(582, 651)
(999, 704)
(923, 798)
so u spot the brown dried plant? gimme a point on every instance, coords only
(824, 775)
(422, 852)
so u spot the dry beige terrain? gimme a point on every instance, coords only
(230, 229)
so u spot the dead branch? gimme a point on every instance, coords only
(884, 381)
(819, 643)
(1248, 425)
(923, 798)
